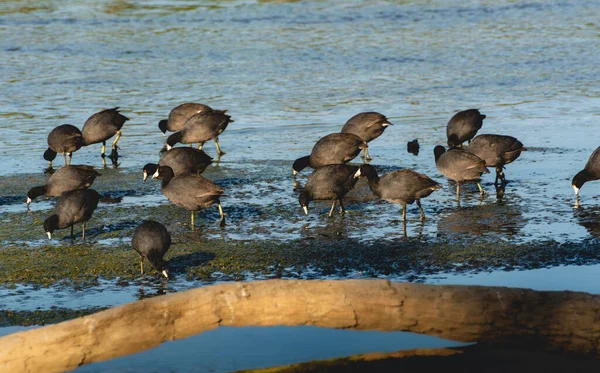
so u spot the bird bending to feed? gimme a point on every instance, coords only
(403, 187)
(200, 128)
(152, 240)
(64, 139)
(590, 172)
(66, 179)
(463, 126)
(368, 126)
(182, 160)
(460, 166)
(101, 127)
(190, 191)
(496, 151)
(331, 182)
(180, 114)
(336, 148)
(72, 208)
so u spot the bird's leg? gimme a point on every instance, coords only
(103, 151)
(49, 164)
(363, 154)
(70, 158)
(367, 155)
(458, 191)
(420, 209)
(342, 209)
(332, 207)
(404, 215)
(114, 144)
(200, 145)
(481, 191)
(141, 264)
(65, 157)
(83, 231)
(219, 151)
(71, 233)
(192, 220)
(221, 215)
(501, 173)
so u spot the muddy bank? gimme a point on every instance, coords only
(211, 260)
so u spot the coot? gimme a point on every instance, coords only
(590, 172)
(65, 179)
(331, 182)
(496, 151)
(463, 126)
(190, 191)
(368, 126)
(180, 114)
(200, 128)
(101, 127)
(152, 240)
(64, 139)
(336, 148)
(460, 166)
(403, 187)
(181, 160)
(72, 208)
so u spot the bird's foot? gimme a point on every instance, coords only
(114, 155)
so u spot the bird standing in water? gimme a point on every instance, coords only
(64, 139)
(101, 127)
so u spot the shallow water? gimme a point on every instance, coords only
(290, 73)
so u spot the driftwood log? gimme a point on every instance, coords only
(565, 321)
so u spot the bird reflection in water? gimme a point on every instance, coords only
(589, 218)
(500, 218)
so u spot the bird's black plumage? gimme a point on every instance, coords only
(72, 208)
(152, 240)
(65, 179)
(331, 182)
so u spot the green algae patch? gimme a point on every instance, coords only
(38, 317)
(195, 257)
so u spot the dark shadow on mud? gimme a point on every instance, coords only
(178, 265)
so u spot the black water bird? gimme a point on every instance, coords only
(64, 139)
(403, 186)
(72, 208)
(180, 114)
(497, 151)
(590, 172)
(65, 179)
(200, 128)
(181, 160)
(101, 127)
(368, 126)
(463, 126)
(336, 148)
(413, 147)
(190, 191)
(152, 240)
(331, 182)
(460, 166)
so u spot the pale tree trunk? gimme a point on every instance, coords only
(564, 321)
